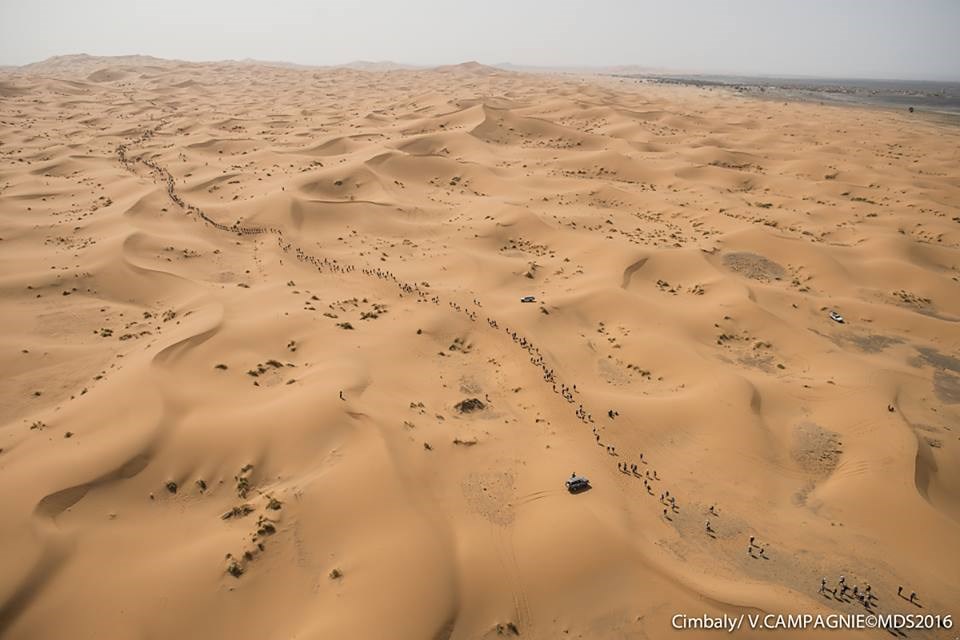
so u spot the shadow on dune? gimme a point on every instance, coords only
(632, 269)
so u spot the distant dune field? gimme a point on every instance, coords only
(267, 373)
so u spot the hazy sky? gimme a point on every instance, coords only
(861, 38)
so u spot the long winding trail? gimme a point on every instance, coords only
(325, 265)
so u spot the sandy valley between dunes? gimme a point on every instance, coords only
(199, 259)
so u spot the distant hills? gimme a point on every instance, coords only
(85, 64)
(116, 68)
(109, 68)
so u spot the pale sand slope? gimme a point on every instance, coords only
(684, 245)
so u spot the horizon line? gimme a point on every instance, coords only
(505, 65)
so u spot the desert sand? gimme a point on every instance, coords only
(266, 372)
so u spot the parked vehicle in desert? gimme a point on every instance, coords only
(576, 484)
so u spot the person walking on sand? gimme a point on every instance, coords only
(900, 590)
(341, 395)
(913, 596)
(823, 585)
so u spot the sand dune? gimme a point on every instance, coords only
(243, 304)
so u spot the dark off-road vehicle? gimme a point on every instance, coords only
(576, 484)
